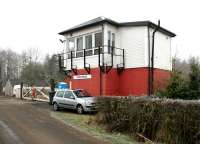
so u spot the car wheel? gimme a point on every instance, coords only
(79, 109)
(55, 107)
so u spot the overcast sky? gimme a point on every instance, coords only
(35, 23)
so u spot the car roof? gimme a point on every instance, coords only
(68, 89)
(64, 90)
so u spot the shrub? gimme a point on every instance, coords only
(177, 87)
(184, 87)
(194, 83)
(160, 120)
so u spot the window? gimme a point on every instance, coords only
(88, 45)
(60, 94)
(88, 42)
(71, 45)
(109, 41)
(113, 40)
(81, 93)
(69, 94)
(98, 39)
(79, 43)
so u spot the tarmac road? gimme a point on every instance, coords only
(27, 122)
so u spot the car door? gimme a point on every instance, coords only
(59, 98)
(69, 100)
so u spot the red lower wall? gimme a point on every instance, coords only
(132, 81)
(161, 79)
(111, 83)
(91, 85)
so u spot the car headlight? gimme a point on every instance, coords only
(87, 103)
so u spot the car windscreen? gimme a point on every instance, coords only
(81, 93)
(59, 93)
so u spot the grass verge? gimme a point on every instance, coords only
(84, 123)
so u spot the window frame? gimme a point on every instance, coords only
(101, 41)
(109, 41)
(78, 53)
(69, 48)
(77, 40)
(86, 36)
(113, 42)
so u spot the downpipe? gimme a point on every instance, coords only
(152, 58)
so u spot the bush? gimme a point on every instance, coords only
(160, 120)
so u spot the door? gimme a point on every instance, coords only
(59, 98)
(69, 100)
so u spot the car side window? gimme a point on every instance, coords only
(69, 94)
(60, 94)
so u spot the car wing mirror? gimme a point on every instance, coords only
(72, 97)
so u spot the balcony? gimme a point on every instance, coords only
(105, 57)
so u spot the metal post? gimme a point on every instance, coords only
(52, 83)
(21, 90)
(60, 62)
(52, 92)
(112, 56)
(84, 58)
(71, 60)
(123, 59)
(99, 56)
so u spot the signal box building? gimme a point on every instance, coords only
(105, 57)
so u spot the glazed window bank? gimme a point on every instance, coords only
(105, 57)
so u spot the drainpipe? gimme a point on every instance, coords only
(149, 63)
(152, 57)
(100, 71)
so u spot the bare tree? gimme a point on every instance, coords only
(27, 68)
(184, 66)
(52, 68)
(31, 55)
(9, 63)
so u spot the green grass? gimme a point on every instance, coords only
(84, 123)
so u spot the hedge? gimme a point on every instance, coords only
(159, 120)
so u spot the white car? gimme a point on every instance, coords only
(78, 100)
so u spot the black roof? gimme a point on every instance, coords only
(100, 20)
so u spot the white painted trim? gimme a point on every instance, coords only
(80, 77)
